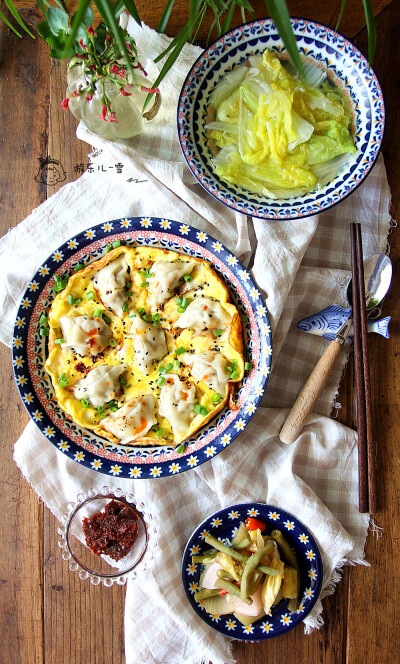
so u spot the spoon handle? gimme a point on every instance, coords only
(310, 394)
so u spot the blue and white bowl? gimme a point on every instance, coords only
(223, 525)
(346, 67)
(29, 351)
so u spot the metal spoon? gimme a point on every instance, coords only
(377, 278)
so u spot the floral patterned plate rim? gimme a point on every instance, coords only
(223, 525)
(29, 350)
(346, 67)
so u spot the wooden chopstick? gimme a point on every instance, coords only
(372, 506)
(359, 303)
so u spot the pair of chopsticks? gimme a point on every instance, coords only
(366, 448)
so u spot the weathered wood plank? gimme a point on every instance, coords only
(23, 138)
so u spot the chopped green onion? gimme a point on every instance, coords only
(100, 410)
(79, 267)
(112, 342)
(85, 402)
(108, 248)
(235, 364)
(128, 284)
(59, 341)
(160, 381)
(201, 410)
(181, 310)
(44, 331)
(141, 311)
(155, 316)
(154, 428)
(70, 299)
(116, 244)
(129, 293)
(180, 350)
(179, 301)
(217, 333)
(177, 365)
(125, 307)
(169, 366)
(185, 302)
(248, 366)
(215, 398)
(144, 284)
(98, 313)
(56, 278)
(234, 375)
(106, 319)
(181, 449)
(42, 320)
(122, 380)
(188, 277)
(63, 380)
(148, 317)
(132, 316)
(79, 299)
(90, 295)
(160, 433)
(162, 370)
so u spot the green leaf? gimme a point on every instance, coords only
(106, 13)
(45, 32)
(118, 8)
(165, 16)
(86, 19)
(369, 16)
(7, 22)
(17, 17)
(100, 37)
(131, 7)
(77, 21)
(42, 7)
(280, 16)
(57, 20)
(342, 6)
(228, 18)
(170, 61)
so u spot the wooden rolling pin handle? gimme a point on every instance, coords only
(310, 394)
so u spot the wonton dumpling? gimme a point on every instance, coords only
(85, 335)
(177, 401)
(132, 421)
(165, 279)
(204, 313)
(100, 385)
(149, 344)
(110, 282)
(210, 367)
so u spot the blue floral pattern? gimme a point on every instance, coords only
(29, 351)
(223, 525)
(346, 68)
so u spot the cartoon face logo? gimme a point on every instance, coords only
(50, 172)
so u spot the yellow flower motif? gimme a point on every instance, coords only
(146, 222)
(79, 456)
(225, 439)
(184, 230)
(29, 398)
(232, 260)
(44, 270)
(248, 629)
(285, 619)
(18, 342)
(194, 549)
(125, 223)
(57, 256)
(19, 361)
(289, 525)
(20, 322)
(253, 512)
(135, 472)
(90, 234)
(115, 470)
(26, 303)
(309, 592)
(267, 627)
(164, 223)
(273, 515)
(156, 472)
(22, 380)
(300, 609)
(202, 237)
(312, 574)
(230, 624)
(192, 461)
(37, 415)
(233, 515)
(310, 555)
(63, 445)
(96, 463)
(49, 431)
(193, 587)
(191, 568)
(216, 522)
(204, 533)
(33, 286)
(303, 538)
(72, 244)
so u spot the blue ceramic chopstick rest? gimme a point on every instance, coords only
(327, 322)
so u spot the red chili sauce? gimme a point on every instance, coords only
(112, 531)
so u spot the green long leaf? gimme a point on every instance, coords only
(371, 30)
(280, 16)
(118, 8)
(131, 7)
(165, 16)
(77, 21)
(107, 14)
(342, 6)
(7, 22)
(42, 7)
(172, 44)
(17, 17)
(228, 18)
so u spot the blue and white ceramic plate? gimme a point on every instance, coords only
(223, 525)
(346, 67)
(29, 351)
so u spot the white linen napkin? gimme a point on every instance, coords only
(300, 267)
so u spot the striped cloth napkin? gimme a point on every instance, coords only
(300, 267)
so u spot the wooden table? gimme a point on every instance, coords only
(47, 615)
